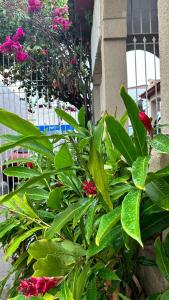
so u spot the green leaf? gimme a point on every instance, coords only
(106, 223)
(21, 172)
(165, 295)
(30, 142)
(27, 184)
(119, 190)
(65, 293)
(108, 274)
(81, 282)
(124, 297)
(139, 171)
(55, 198)
(81, 117)
(130, 215)
(153, 224)
(23, 205)
(92, 290)
(98, 134)
(61, 219)
(140, 135)
(67, 118)
(16, 242)
(96, 168)
(81, 211)
(161, 143)
(121, 139)
(37, 193)
(161, 258)
(8, 227)
(90, 221)
(63, 158)
(158, 191)
(41, 248)
(154, 297)
(20, 125)
(50, 266)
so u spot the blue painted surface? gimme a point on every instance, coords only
(55, 128)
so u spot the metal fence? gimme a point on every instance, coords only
(143, 61)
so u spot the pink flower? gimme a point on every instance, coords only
(73, 61)
(56, 11)
(6, 47)
(89, 188)
(34, 5)
(44, 52)
(19, 33)
(37, 285)
(22, 56)
(57, 20)
(66, 24)
(146, 122)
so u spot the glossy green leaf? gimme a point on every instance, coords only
(119, 190)
(162, 172)
(165, 295)
(92, 290)
(68, 118)
(107, 222)
(65, 293)
(29, 142)
(140, 135)
(8, 227)
(108, 274)
(63, 158)
(130, 215)
(160, 143)
(21, 172)
(90, 221)
(96, 168)
(20, 125)
(123, 297)
(27, 184)
(154, 297)
(61, 219)
(16, 241)
(55, 198)
(98, 134)
(139, 171)
(81, 282)
(161, 259)
(158, 191)
(37, 193)
(153, 224)
(41, 248)
(81, 211)
(81, 116)
(51, 266)
(121, 139)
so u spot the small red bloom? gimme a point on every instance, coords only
(89, 187)
(37, 285)
(30, 165)
(147, 122)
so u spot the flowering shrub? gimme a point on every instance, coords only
(83, 209)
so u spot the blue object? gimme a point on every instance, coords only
(54, 128)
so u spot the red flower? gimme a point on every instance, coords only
(30, 165)
(89, 187)
(22, 56)
(147, 122)
(37, 285)
(73, 61)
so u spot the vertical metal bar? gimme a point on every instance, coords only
(155, 75)
(135, 58)
(145, 66)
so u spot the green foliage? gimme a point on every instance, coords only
(88, 238)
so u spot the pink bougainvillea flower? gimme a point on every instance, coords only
(57, 20)
(73, 61)
(66, 24)
(56, 11)
(34, 5)
(22, 56)
(6, 47)
(146, 122)
(37, 285)
(19, 33)
(89, 187)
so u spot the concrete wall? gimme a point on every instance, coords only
(108, 52)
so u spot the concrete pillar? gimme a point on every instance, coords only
(113, 53)
(163, 16)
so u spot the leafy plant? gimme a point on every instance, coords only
(85, 207)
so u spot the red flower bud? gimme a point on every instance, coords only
(146, 122)
(89, 187)
(30, 165)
